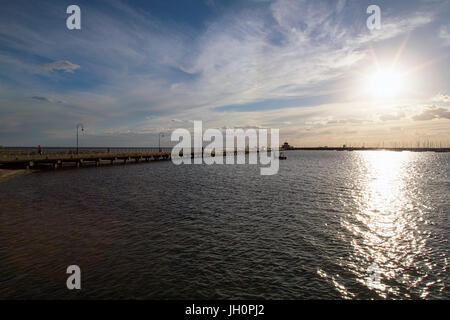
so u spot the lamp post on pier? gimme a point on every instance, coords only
(80, 125)
(159, 140)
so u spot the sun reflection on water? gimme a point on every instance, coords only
(386, 237)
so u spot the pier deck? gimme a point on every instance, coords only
(59, 160)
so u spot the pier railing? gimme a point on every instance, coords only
(60, 157)
(33, 151)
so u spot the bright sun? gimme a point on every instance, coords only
(385, 83)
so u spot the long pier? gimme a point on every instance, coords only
(59, 160)
(61, 157)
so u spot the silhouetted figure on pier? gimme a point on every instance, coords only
(39, 150)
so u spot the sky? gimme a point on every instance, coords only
(312, 69)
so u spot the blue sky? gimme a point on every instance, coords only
(137, 68)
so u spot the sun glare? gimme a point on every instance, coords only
(385, 83)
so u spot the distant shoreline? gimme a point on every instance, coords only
(369, 149)
(6, 150)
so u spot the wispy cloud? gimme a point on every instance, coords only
(391, 117)
(444, 34)
(347, 121)
(440, 97)
(431, 113)
(46, 99)
(61, 65)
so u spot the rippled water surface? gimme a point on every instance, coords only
(328, 225)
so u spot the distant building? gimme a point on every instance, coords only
(286, 146)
